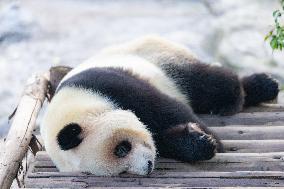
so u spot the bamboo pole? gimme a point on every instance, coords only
(20, 134)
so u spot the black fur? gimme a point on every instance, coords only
(156, 110)
(259, 88)
(122, 149)
(56, 75)
(187, 144)
(131, 93)
(210, 89)
(68, 137)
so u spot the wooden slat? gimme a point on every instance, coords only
(202, 166)
(221, 162)
(214, 166)
(75, 182)
(245, 146)
(172, 173)
(194, 187)
(165, 174)
(264, 107)
(176, 187)
(275, 124)
(255, 118)
(249, 133)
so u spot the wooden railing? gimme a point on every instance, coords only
(20, 134)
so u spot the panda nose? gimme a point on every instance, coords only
(150, 166)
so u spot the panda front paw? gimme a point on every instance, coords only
(204, 145)
(188, 143)
(194, 129)
(260, 88)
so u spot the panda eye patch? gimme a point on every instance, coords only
(122, 149)
(68, 137)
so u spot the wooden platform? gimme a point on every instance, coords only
(254, 144)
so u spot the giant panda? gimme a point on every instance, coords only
(115, 112)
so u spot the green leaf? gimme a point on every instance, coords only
(273, 42)
(276, 35)
(275, 13)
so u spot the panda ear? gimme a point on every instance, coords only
(56, 75)
(69, 137)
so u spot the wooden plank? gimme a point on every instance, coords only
(19, 136)
(214, 166)
(186, 187)
(181, 187)
(253, 146)
(249, 133)
(202, 166)
(160, 174)
(157, 174)
(221, 162)
(278, 124)
(254, 118)
(264, 107)
(75, 182)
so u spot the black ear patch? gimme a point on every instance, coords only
(68, 137)
(56, 75)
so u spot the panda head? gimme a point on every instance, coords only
(85, 132)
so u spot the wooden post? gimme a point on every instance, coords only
(20, 134)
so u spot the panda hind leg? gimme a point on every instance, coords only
(259, 88)
(210, 89)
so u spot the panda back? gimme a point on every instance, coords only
(138, 66)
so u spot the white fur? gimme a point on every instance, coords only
(99, 120)
(139, 160)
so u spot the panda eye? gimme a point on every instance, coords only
(122, 149)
